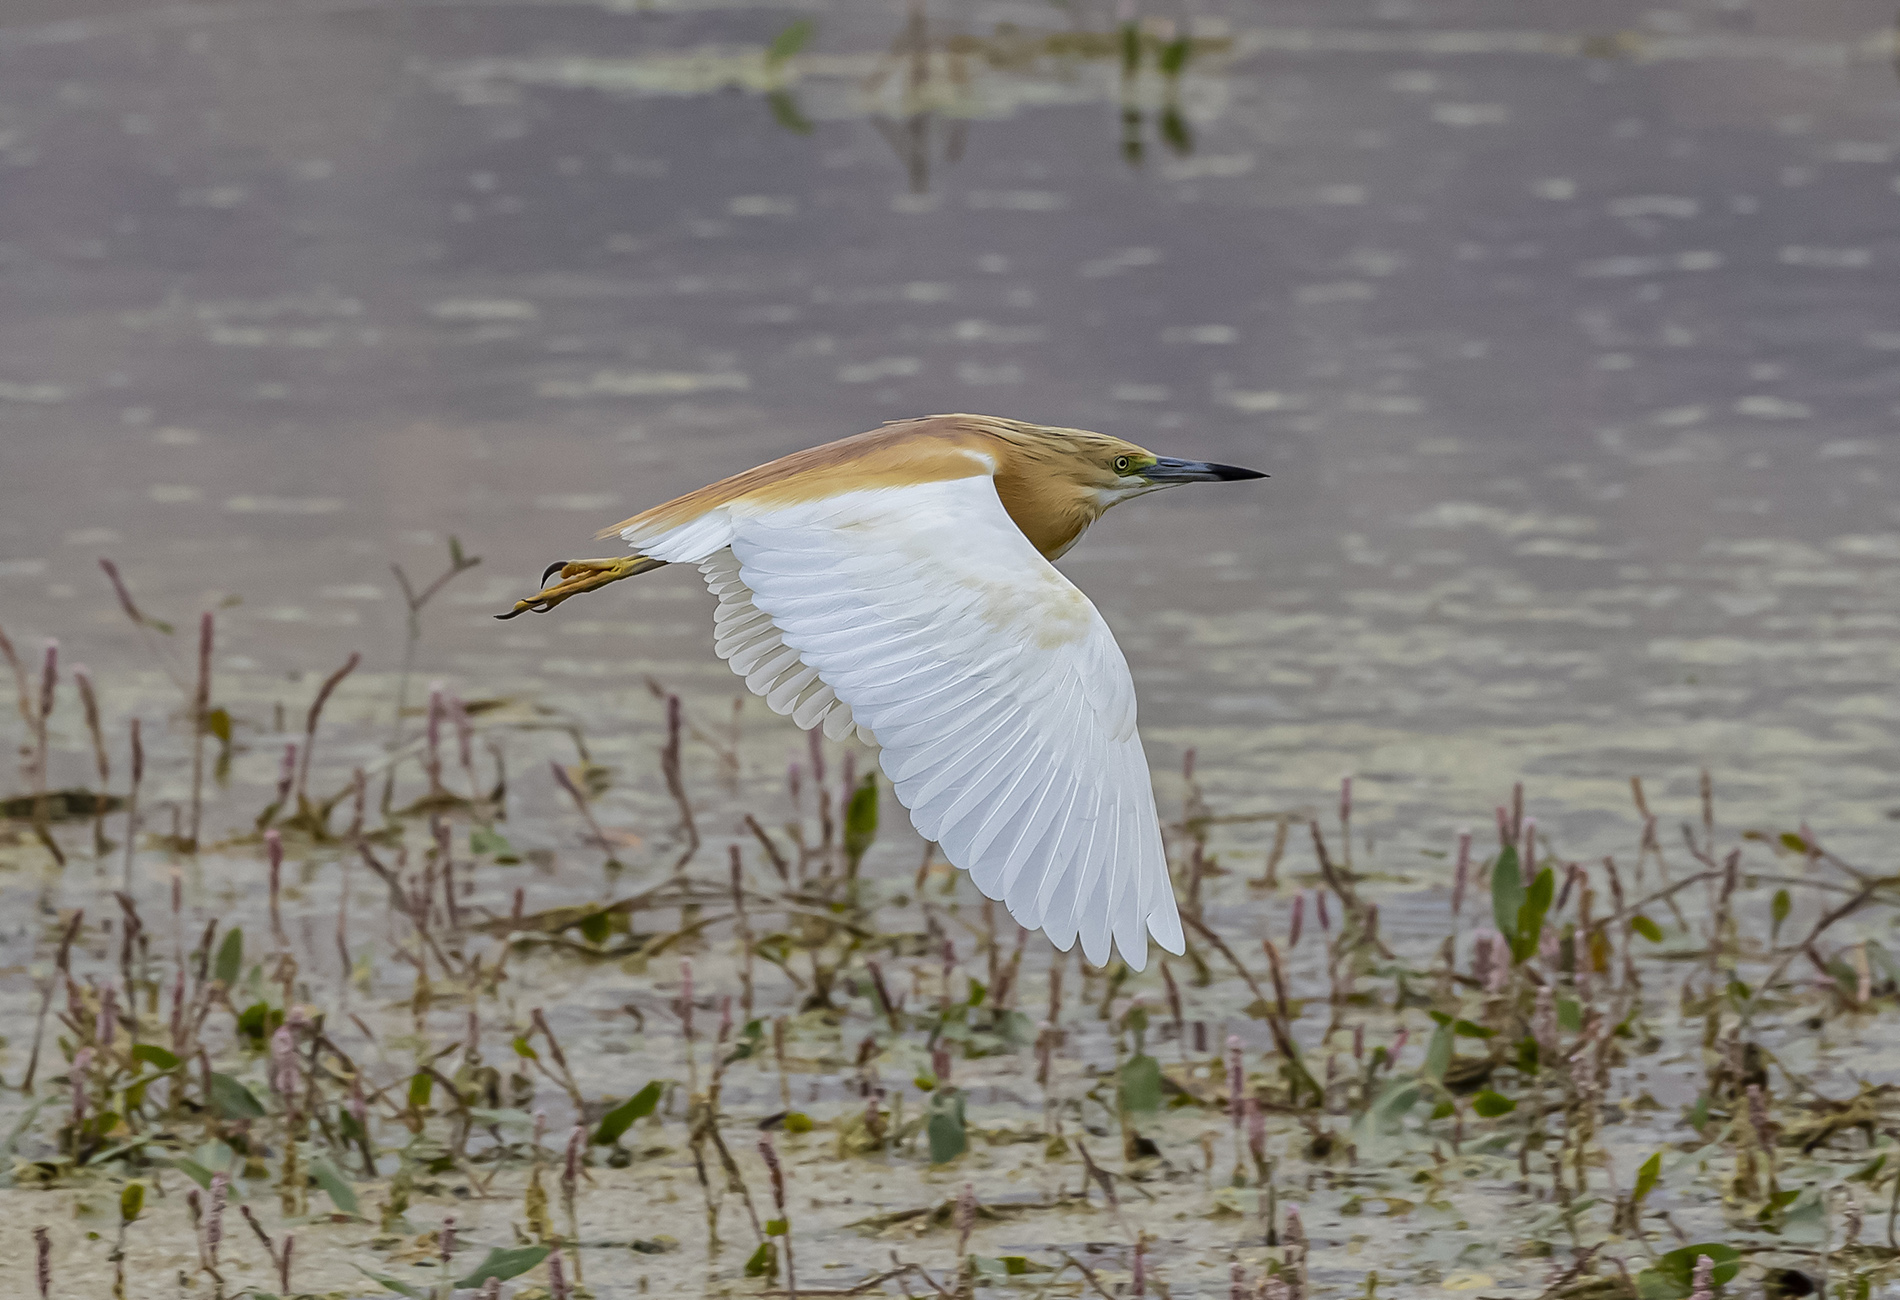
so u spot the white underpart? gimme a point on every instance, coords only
(924, 618)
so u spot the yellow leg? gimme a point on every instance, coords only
(577, 576)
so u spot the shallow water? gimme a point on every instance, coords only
(1570, 349)
(1570, 346)
(1568, 338)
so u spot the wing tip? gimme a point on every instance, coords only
(1166, 929)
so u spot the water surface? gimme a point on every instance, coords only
(1568, 337)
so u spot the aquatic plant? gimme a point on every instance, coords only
(866, 1023)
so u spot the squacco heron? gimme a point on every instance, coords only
(898, 584)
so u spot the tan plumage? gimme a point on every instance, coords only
(1051, 480)
(897, 584)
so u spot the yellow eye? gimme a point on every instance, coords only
(1121, 464)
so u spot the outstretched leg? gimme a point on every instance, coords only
(577, 576)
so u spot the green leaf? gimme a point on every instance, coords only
(1175, 129)
(1779, 909)
(525, 1049)
(1869, 1173)
(1806, 1218)
(764, 1261)
(1174, 56)
(1569, 1015)
(230, 958)
(784, 106)
(12, 1140)
(797, 1121)
(945, 1127)
(750, 1039)
(153, 1054)
(1438, 1054)
(421, 1088)
(1776, 1203)
(1390, 1109)
(621, 1117)
(217, 1156)
(790, 41)
(1141, 1084)
(482, 839)
(233, 1100)
(1646, 1178)
(501, 1264)
(131, 1201)
(1793, 842)
(1465, 1029)
(400, 1288)
(777, 1227)
(193, 1170)
(1507, 891)
(112, 1153)
(1530, 916)
(860, 819)
(1647, 928)
(218, 723)
(1008, 1265)
(596, 926)
(258, 1022)
(1676, 1270)
(334, 1185)
(1379, 1122)
(1491, 1104)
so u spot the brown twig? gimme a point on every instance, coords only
(200, 707)
(1095, 1283)
(675, 781)
(46, 995)
(1852, 905)
(330, 684)
(132, 804)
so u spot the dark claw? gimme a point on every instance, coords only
(526, 607)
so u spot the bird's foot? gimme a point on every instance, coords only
(577, 576)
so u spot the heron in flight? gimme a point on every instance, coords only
(898, 584)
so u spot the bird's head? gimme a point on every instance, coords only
(1056, 482)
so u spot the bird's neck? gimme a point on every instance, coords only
(1052, 514)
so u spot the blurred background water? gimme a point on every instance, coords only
(1568, 334)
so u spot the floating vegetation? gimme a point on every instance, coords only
(760, 1056)
(921, 93)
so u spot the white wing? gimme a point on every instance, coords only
(1004, 707)
(752, 644)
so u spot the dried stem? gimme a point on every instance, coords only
(200, 708)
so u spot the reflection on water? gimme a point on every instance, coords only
(1571, 348)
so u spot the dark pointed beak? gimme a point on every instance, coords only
(1167, 469)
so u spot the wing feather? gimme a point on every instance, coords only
(747, 638)
(1005, 710)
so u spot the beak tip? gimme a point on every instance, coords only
(1235, 473)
